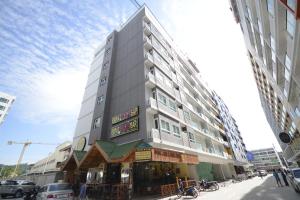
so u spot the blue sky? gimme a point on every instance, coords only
(46, 48)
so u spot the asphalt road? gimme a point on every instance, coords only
(253, 189)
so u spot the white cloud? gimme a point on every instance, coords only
(208, 33)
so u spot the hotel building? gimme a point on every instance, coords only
(266, 159)
(233, 135)
(271, 33)
(6, 101)
(146, 116)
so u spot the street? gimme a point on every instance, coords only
(253, 189)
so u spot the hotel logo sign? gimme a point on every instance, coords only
(125, 123)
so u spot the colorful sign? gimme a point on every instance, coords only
(125, 127)
(143, 155)
(81, 144)
(121, 117)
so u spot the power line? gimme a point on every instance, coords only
(136, 4)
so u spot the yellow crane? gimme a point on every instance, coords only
(25, 145)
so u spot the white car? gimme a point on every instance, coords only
(295, 179)
(55, 191)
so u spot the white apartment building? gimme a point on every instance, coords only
(271, 33)
(266, 159)
(6, 101)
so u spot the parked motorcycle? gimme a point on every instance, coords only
(31, 195)
(190, 191)
(208, 185)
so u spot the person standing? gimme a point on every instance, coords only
(82, 194)
(275, 174)
(260, 174)
(284, 178)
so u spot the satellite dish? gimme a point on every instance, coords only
(285, 138)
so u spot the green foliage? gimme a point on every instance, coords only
(7, 171)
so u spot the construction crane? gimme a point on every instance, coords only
(25, 145)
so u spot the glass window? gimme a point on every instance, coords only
(191, 137)
(2, 107)
(272, 43)
(290, 23)
(165, 126)
(4, 100)
(100, 99)
(187, 115)
(292, 4)
(287, 74)
(176, 131)
(259, 26)
(270, 6)
(273, 56)
(172, 105)
(287, 62)
(102, 81)
(97, 123)
(162, 99)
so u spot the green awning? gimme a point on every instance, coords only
(117, 151)
(79, 154)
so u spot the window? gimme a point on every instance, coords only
(97, 123)
(102, 81)
(273, 56)
(162, 99)
(172, 105)
(176, 131)
(187, 115)
(272, 43)
(2, 107)
(290, 23)
(287, 62)
(3, 100)
(259, 26)
(107, 51)
(292, 4)
(156, 123)
(287, 74)
(100, 99)
(191, 137)
(270, 6)
(105, 65)
(165, 126)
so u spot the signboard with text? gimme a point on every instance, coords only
(126, 115)
(125, 127)
(143, 155)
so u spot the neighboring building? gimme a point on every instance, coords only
(266, 159)
(145, 107)
(48, 170)
(233, 135)
(6, 101)
(271, 34)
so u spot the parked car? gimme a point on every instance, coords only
(250, 174)
(262, 172)
(15, 188)
(54, 191)
(295, 179)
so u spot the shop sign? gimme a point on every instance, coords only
(125, 127)
(81, 144)
(121, 117)
(143, 155)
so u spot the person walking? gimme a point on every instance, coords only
(275, 174)
(284, 178)
(260, 174)
(82, 194)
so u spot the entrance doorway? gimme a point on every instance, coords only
(113, 173)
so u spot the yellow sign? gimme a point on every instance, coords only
(143, 155)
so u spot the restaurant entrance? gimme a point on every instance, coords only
(113, 173)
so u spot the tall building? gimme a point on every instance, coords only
(271, 33)
(266, 159)
(6, 101)
(145, 110)
(233, 135)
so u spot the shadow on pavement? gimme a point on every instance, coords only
(269, 190)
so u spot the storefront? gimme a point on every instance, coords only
(135, 168)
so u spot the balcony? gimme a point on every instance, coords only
(151, 105)
(153, 135)
(150, 80)
(147, 29)
(148, 59)
(147, 43)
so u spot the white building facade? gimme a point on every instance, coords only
(6, 101)
(271, 33)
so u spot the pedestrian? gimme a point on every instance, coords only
(284, 177)
(275, 174)
(180, 185)
(82, 194)
(260, 174)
